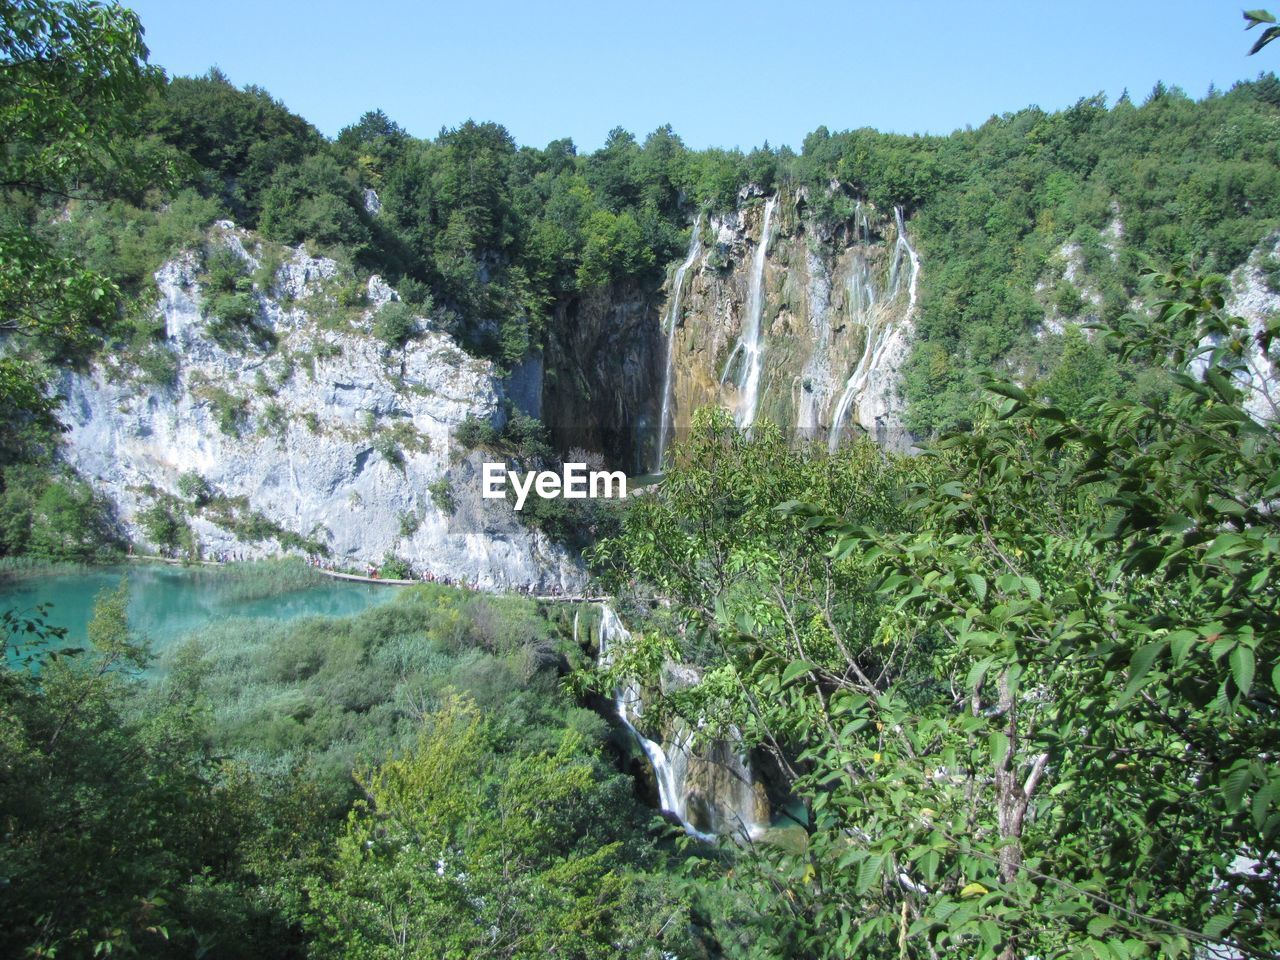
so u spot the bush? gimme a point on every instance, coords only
(274, 421)
(229, 410)
(416, 293)
(409, 523)
(389, 450)
(441, 490)
(165, 528)
(1068, 300)
(394, 568)
(195, 488)
(527, 436)
(395, 324)
(232, 322)
(53, 516)
(474, 432)
(224, 271)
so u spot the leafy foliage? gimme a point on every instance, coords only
(1044, 727)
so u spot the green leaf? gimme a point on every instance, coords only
(990, 933)
(1100, 925)
(977, 672)
(1235, 785)
(1264, 801)
(1242, 666)
(1139, 666)
(979, 586)
(868, 870)
(795, 668)
(999, 744)
(1006, 388)
(1268, 35)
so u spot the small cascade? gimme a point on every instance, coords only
(673, 318)
(670, 771)
(726, 801)
(749, 346)
(874, 316)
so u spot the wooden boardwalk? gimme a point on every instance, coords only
(357, 578)
(541, 598)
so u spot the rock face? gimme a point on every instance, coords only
(838, 303)
(1253, 300)
(606, 355)
(330, 436)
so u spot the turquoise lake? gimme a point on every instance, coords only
(167, 603)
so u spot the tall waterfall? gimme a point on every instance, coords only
(748, 379)
(673, 318)
(731, 810)
(875, 317)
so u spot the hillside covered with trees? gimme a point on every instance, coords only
(1020, 693)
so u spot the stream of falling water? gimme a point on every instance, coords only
(875, 319)
(748, 381)
(673, 318)
(669, 770)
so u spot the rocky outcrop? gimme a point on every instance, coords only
(1253, 300)
(329, 436)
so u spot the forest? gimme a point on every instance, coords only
(1020, 689)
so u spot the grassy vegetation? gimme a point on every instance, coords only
(330, 694)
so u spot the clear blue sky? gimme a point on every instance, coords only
(723, 74)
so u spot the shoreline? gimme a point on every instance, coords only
(53, 568)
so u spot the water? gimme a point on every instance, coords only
(167, 603)
(669, 771)
(749, 346)
(873, 315)
(671, 763)
(673, 318)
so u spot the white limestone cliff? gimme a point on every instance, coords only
(330, 434)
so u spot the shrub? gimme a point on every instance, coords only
(389, 450)
(232, 323)
(1271, 272)
(158, 365)
(224, 270)
(527, 436)
(474, 432)
(408, 437)
(52, 514)
(395, 324)
(409, 523)
(394, 568)
(165, 528)
(195, 488)
(441, 490)
(274, 421)
(229, 410)
(1068, 299)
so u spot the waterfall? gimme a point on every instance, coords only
(748, 380)
(673, 318)
(880, 332)
(670, 771)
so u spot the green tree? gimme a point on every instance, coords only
(457, 852)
